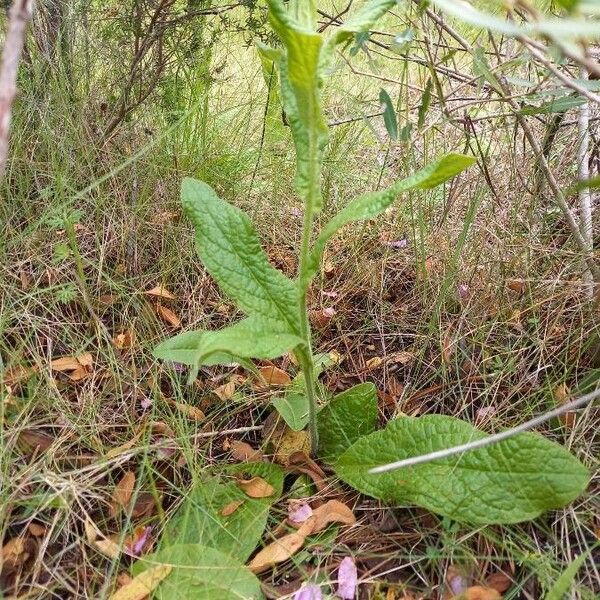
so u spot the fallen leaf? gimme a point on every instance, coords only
(516, 285)
(290, 442)
(91, 531)
(75, 368)
(167, 315)
(403, 357)
(36, 530)
(124, 340)
(272, 375)
(301, 462)
(347, 579)
(243, 452)
(374, 363)
(160, 292)
(142, 585)
(333, 511)
(499, 581)
(231, 507)
(192, 412)
(107, 547)
(225, 391)
(256, 487)
(14, 554)
(479, 592)
(562, 395)
(30, 441)
(281, 549)
(321, 318)
(122, 494)
(145, 505)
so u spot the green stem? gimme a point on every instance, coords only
(305, 356)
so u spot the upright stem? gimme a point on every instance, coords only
(305, 356)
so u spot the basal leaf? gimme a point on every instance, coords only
(293, 408)
(348, 417)
(230, 249)
(201, 573)
(508, 482)
(200, 520)
(301, 97)
(253, 337)
(371, 204)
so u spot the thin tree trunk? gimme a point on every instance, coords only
(19, 16)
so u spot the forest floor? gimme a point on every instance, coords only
(452, 303)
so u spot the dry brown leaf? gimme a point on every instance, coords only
(142, 585)
(231, 507)
(75, 368)
(281, 549)
(499, 581)
(225, 391)
(301, 462)
(123, 491)
(36, 530)
(332, 511)
(145, 505)
(192, 412)
(160, 292)
(403, 357)
(14, 554)
(167, 315)
(30, 440)
(124, 340)
(374, 363)
(256, 487)
(516, 285)
(562, 395)
(272, 375)
(91, 531)
(113, 452)
(243, 452)
(289, 443)
(321, 318)
(108, 299)
(479, 592)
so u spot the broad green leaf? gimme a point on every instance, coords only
(253, 337)
(371, 204)
(301, 97)
(230, 249)
(293, 408)
(199, 519)
(508, 482)
(348, 417)
(563, 584)
(201, 573)
(305, 13)
(389, 114)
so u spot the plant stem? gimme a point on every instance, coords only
(305, 356)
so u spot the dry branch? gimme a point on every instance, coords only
(19, 16)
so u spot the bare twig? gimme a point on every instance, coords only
(18, 17)
(492, 439)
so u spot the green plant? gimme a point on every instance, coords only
(527, 473)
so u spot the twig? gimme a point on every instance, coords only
(18, 18)
(492, 439)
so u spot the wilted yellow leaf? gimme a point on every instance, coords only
(256, 487)
(142, 585)
(374, 363)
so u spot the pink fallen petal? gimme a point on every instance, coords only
(458, 585)
(309, 592)
(347, 579)
(298, 513)
(397, 244)
(138, 546)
